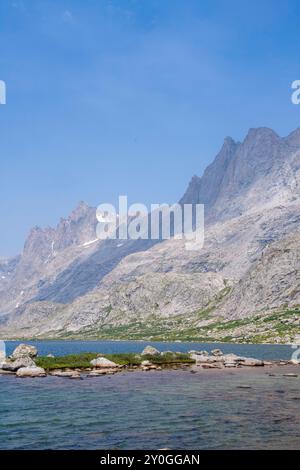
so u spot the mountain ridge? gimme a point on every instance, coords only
(76, 284)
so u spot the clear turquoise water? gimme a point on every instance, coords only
(160, 409)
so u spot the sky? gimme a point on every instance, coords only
(133, 97)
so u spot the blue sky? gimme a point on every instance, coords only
(109, 97)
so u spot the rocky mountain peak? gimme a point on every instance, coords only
(227, 185)
(293, 139)
(81, 210)
(228, 144)
(261, 133)
(36, 239)
(42, 245)
(204, 190)
(77, 228)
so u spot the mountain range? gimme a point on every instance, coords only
(244, 285)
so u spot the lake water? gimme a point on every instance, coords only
(153, 410)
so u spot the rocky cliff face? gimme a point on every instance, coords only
(68, 283)
(262, 169)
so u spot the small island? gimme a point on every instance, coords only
(25, 362)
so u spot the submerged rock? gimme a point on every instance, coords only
(150, 351)
(6, 372)
(99, 372)
(31, 372)
(24, 350)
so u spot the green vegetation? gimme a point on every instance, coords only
(82, 361)
(71, 361)
(279, 325)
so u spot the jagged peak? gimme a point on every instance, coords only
(293, 138)
(227, 150)
(37, 230)
(82, 205)
(256, 133)
(80, 211)
(194, 179)
(229, 141)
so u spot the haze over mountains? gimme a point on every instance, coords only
(243, 285)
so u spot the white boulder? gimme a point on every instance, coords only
(12, 366)
(102, 362)
(24, 350)
(31, 372)
(150, 351)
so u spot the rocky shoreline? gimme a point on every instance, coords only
(25, 362)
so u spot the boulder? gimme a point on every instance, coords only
(97, 373)
(18, 363)
(50, 355)
(230, 364)
(217, 352)
(69, 374)
(146, 363)
(232, 358)
(204, 353)
(102, 362)
(24, 350)
(209, 366)
(201, 353)
(199, 358)
(150, 351)
(31, 372)
(250, 362)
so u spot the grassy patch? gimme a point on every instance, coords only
(71, 361)
(82, 361)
